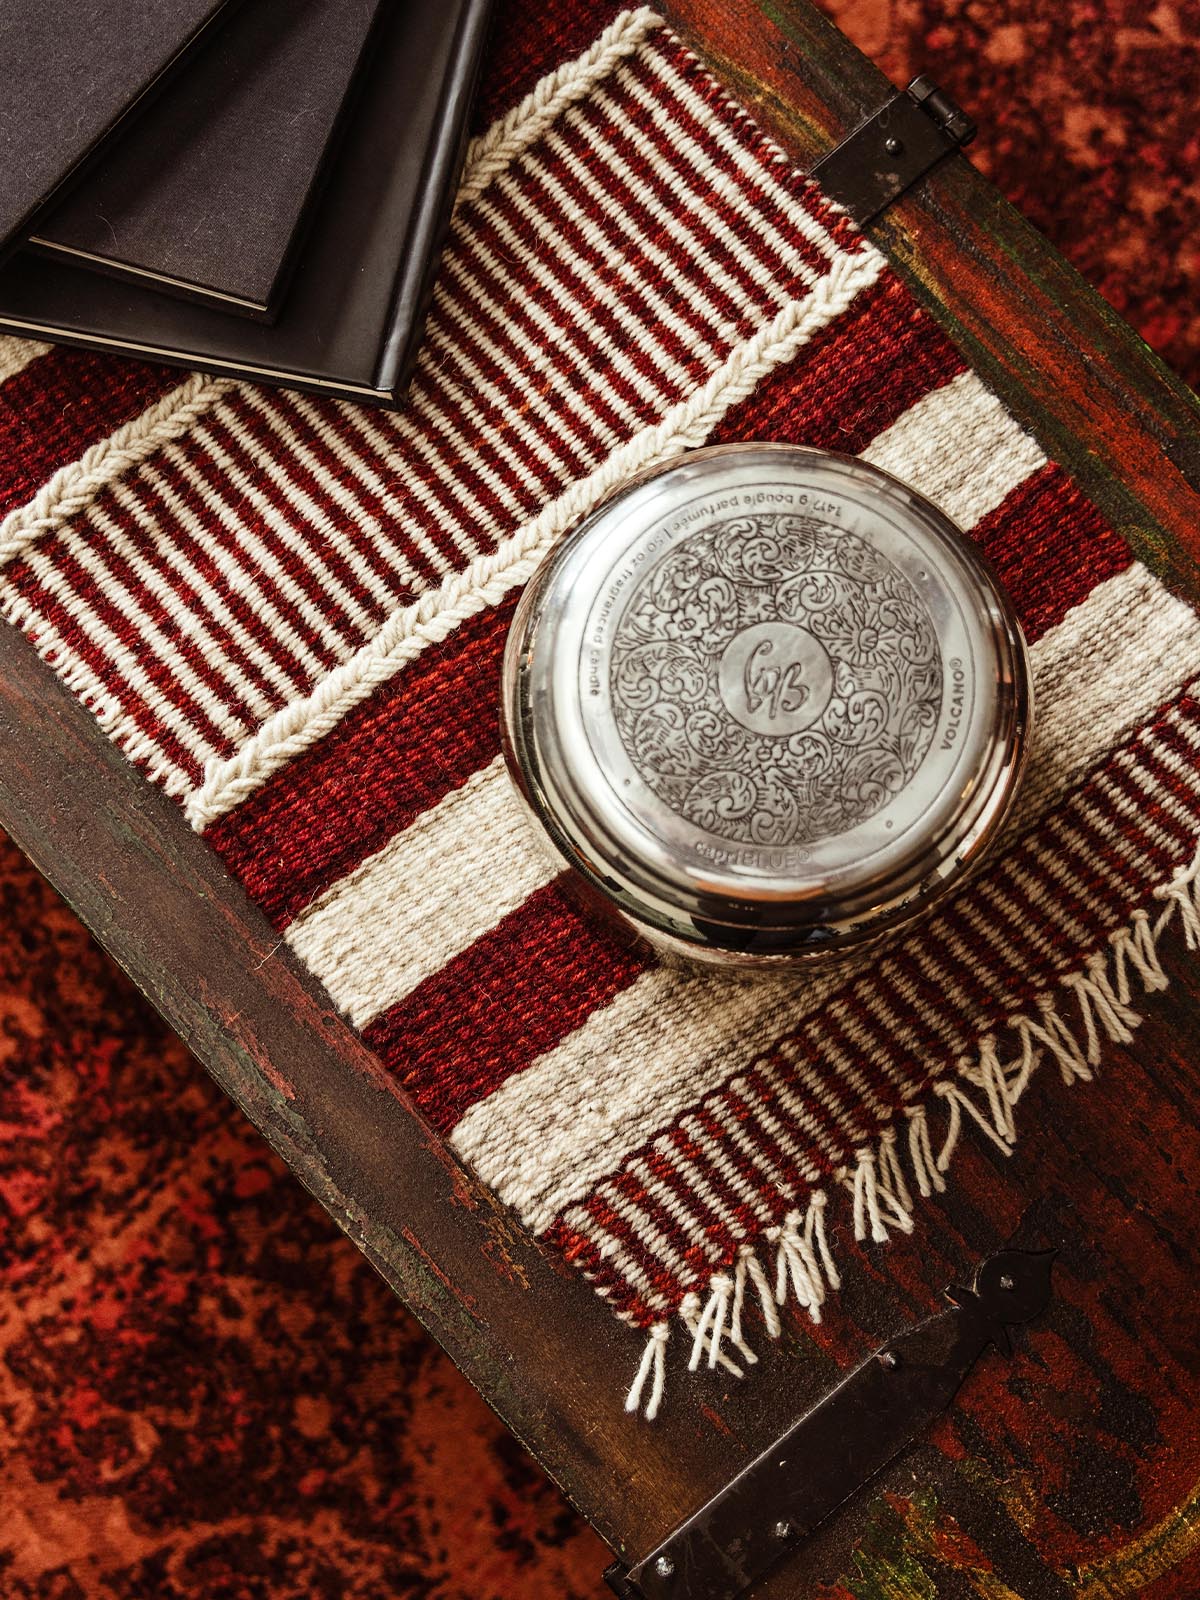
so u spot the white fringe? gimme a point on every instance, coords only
(985, 1090)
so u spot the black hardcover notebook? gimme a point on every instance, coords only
(73, 71)
(351, 318)
(205, 195)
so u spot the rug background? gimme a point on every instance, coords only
(204, 1390)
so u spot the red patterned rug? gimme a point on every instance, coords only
(137, 1303)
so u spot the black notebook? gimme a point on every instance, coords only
(72, 72)
(350, 320)
(205, 194)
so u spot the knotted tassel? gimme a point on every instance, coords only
(1182, 895)
(706, 1325)
(792, 1264)
(749, 1266)
(920, 1151)
(1101, 1008)
(653, 1369)
(1135, 946)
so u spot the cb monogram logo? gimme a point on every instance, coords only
(775, 678)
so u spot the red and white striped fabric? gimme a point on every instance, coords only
(290, 613)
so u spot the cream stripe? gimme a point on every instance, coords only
(783, 1137)
(324, 518)
(960, 447)
(718, 333)
(75, 486)
(730, 1171)
(550, 97)
(131, 670)
(528, 280)
(81, 681)
(761, 174)
(690, 1029)
(287, 678)
(792, 213)
(610, 1248)
(271, 591)
(1104, 669)
(537, 465)
(366, 483)
(759, 1158)
(250, 472)
(669, 219)
(855, 1031)
(489, 578)
(16, 354)
(123, 594)
(388, 432)
(638, 327)
(681, 1208)
(206, 623)
(455, 344)
(702, 180)
(649, 1231)
(429, 893)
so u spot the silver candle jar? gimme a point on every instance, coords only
(767, 703)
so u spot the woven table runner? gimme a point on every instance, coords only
(290, 614)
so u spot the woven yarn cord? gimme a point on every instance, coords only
(290, 613)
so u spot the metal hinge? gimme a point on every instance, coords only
(829, 1454)
(905, 138)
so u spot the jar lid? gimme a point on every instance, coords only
(768, 701)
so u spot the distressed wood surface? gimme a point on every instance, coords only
(1072, 1470)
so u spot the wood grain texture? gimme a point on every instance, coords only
(1071, 1468)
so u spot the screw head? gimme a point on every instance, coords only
(893, 146)
(1008, 1282)
(664, 1567)
(782, 1529)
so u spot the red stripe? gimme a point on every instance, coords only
(1050, 547)
(603, 1212)
(659, 169)
(568, 379)
(282, 432)
(476, 305)
(204, 556)
(62, 404)
(420, 735)
(575, 320)
(625, 1301)
(763, 187)
(377, 439)
(150, 547)
(452, 1041)
(738, 1213)
(139, 608)
(853, 380)
(226, 454)
(49, 610)
(370, 528)
(626, 211)
(526, 42)
(82, 637)
(593, 281)
(761, 148)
